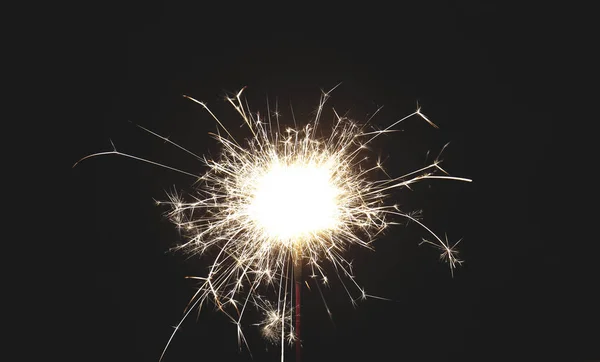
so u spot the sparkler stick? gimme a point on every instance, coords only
(283, 199)
(298, 284)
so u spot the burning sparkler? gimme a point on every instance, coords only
(283, 201)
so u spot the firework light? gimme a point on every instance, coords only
(284, 200)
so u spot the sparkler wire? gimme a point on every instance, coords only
(298, 285)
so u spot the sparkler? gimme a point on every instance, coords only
(285, 200)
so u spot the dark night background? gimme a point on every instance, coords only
(487, 74)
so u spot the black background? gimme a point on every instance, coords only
(488, 75)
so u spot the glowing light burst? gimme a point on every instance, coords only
(287, 196)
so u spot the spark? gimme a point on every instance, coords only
(286, 196)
